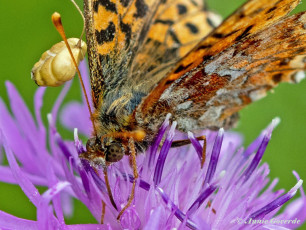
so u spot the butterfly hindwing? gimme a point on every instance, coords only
(235, 65)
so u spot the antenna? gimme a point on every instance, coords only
(82, 15)
(56, 19)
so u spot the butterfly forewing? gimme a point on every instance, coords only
(114, 31)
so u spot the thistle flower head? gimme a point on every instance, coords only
(230, 191)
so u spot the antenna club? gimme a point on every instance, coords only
(56, 19)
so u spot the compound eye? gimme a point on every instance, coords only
(114, 153)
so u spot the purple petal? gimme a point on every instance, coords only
(76, 114)
(45, 217)
(45, 214)
(20, 111)
(59, 101)
(158, 138)
(154, 220)
(141, 183)
(78, 143)
(12, 135)
(85, 76)
(178, 213)
(163, 154)
(51, 192)
(70, 120)
(196, 144)
(8, 221)
(296, 210)
(67, 204)
(26, 185)
(276, 203)
(89, 227)
(99, 182)
(7, 176)
(130, 219)
(85, 179)
(199, 201)
(64, 149)
(246, 175)
(255, 144)
(214, 157)
(38, 102)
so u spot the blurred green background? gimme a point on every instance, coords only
(27, 31)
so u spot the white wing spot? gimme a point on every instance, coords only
(258, 94)
(299, 76)
(184, 105)
(213, 113)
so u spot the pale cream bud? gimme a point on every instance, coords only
(55, 66)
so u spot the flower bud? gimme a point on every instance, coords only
(55, 66)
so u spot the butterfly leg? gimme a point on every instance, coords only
(109, 191)
(103, 212)
(180, 143)
(135, 173)
(203, 152)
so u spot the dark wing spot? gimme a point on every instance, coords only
(284, 61)
(125, 3)
(174, 37)
(218, 35)
(271, 9)
(165, 22)
(193, 28)
(300, 51)
(241, 14)
(210, 22)
(194, 2)
(181, 9)
(244, 33)
(169, 82)
(106, 35)
(142, 9)
(256, 11)
(206, 46)
(276, 78)
(126, 28)
(105, 58)
(181, 67)
(107, 4)
(206, 58)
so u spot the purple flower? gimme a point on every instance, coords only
(231, 191)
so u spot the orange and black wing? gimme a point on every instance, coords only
(252, 51)
(113, 30)
(130, 40)
(177, 27)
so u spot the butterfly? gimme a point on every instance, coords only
(141, 69)
(149, 58)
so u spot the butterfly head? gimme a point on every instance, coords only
(110, 148)
(102, 153)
